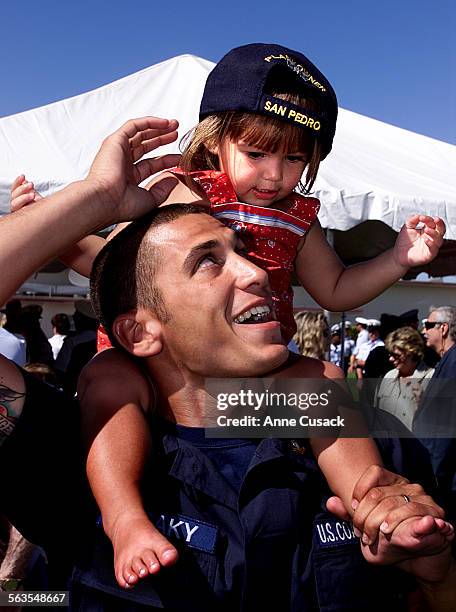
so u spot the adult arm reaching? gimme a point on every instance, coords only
(108, 195)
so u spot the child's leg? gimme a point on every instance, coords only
(114, 396)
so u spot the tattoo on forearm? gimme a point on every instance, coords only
(9, 413)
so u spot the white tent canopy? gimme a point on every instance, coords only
(375, 171)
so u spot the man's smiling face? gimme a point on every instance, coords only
(221, 322)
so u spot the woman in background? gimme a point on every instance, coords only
(399, 391)
(312, 336)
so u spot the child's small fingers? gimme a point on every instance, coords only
(21, 201)
(21, 189)
(17, 181)
(412, 221)
(433, 242)
(445, 528)
(440, 225)
(424, 526)
(427, 220)
(434, 233)
(431, 231)
(402, 512)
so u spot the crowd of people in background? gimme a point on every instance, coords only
(59, 359)
(403, 367)
(392, 359)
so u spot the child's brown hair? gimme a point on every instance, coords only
(263, 132)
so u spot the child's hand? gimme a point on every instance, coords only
(415, 247)
(385, 508)
(22, 193)
(399, 523)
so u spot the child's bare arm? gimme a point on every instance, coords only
(344, 459)
(80, 256)
(182, 193)
(338, 288)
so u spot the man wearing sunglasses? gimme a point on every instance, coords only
(435, 419)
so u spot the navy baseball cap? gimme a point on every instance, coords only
(239, 80)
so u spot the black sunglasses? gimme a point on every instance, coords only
(432, 324)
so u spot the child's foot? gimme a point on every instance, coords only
(139, 550)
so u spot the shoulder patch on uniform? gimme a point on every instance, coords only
(331, 533)
(194, 533)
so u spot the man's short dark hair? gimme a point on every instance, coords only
(123, 273)
(61, 322)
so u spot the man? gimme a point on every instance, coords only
(85, 332)
(255, 550)
(361, 328)
(435, 419)
(361, 339)
(202, 277)
(374, 340)
(60, 327)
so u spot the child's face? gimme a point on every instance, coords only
(260, 177)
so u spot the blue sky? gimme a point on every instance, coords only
(394, 60)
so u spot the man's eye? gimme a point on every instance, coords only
(207, 261)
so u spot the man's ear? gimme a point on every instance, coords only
(139, 333)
